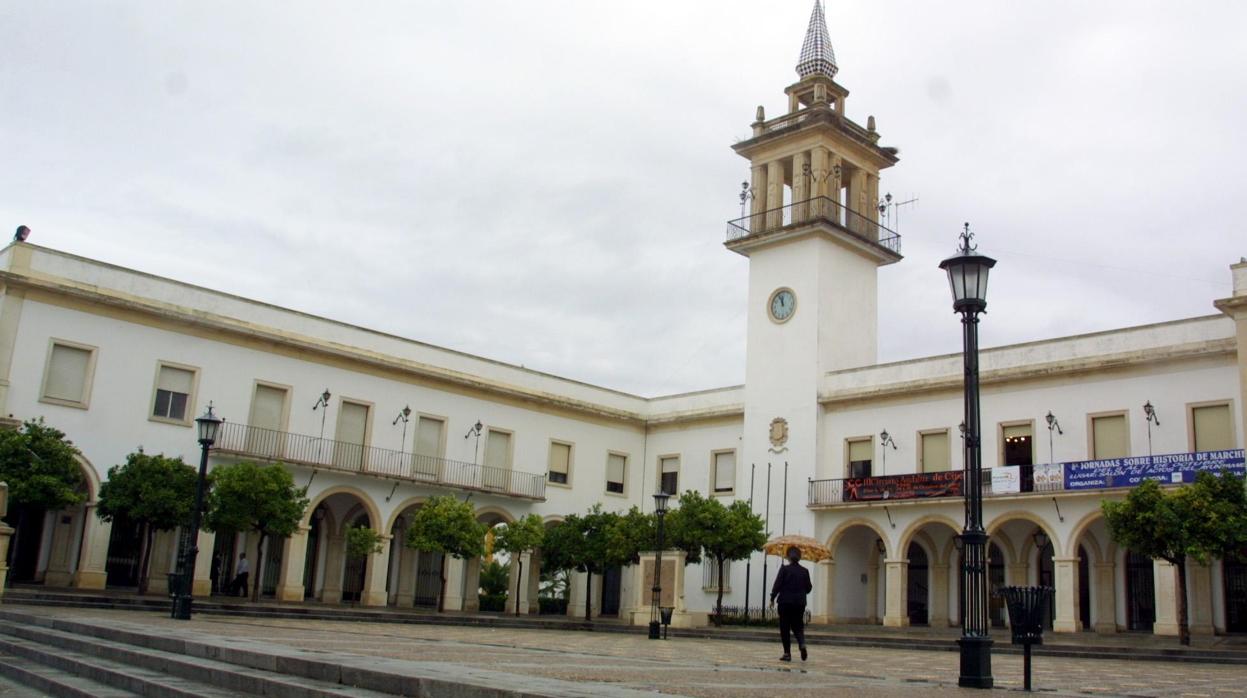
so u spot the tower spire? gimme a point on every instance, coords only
(817, 56)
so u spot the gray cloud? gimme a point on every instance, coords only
(546, 182)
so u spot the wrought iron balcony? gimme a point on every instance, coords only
(820, 209)
(340, 456)
(1045, 479)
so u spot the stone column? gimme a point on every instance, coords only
(774, 194)
(454, 584)
(472, 584)
(938, 616)
(534, 583)
(293, 559)
(820, 166)
(1105, 597)
(872, 202)
(896, 600)
(407, 561)
(1199, 592)
(824, 592)
(93, 556)
(335, 558)
(162, 557)
(757, 205)
(520, 596)
(1166, 599)
(1065, 573)
(878, 576)
(800, 186)
(1018, 574)
(62, 554)
(201, 577)
(376, 573)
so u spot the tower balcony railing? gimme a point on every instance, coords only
(345, 457)
(1044, 479)
(815, 210)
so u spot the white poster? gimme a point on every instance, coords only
(1049, 477)
(1006, 479)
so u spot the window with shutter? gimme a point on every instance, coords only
(669, 475)
(498, 450)
(724, 472)
(935, 453)
(1108, 437)
(559, 468)
(173, 392)
(430, 437)
(616, 467)
(861, 453)
(1212, 427)
(67, 377)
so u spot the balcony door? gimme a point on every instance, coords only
(348, 452)
(265, 433)
(430, 435)
(498, 460)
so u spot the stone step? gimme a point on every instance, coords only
(342, 674)
(175, 674)
(52, 682)
(123, 679)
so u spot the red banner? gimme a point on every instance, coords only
(913, 486)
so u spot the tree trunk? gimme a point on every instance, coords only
(519, 581)
(1184, 629)
(718, 606)
(589, 596)
(441, 597)
(145, 557)
(257, 579)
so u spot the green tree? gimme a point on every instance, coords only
(448, 526)
(586, 543)
(362, 541)
(631, 533)
(705, 528)
(522, 536)
(155, 492)
(1203, 520)
(41, 469)
(250, 497)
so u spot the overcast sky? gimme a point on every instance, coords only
(546, 183)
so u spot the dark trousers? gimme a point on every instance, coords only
(239, 585)
(791, 621)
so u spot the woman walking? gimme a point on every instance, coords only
(791, 586)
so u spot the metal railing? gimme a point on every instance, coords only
(832, 491)
(817, 209)
(341, 456)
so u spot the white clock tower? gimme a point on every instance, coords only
(814, 245)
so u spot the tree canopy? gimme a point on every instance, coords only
(153, 491)
(521, 536)
(446, 525)
(250, 497)
(362, 541)
(705, 528)
(1202, 520)
(40, 467)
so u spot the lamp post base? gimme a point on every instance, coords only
(976, 662)
(182, 607)
(655, 633)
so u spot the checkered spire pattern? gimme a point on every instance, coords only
(817, 56)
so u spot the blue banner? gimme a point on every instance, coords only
(1172, 468)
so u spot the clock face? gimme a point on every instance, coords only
(783, 304)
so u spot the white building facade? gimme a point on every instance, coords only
(375, 424)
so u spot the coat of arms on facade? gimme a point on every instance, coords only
(779, 435)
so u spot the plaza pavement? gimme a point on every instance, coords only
(696, 667)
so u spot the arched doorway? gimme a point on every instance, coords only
(858, 576)
(919, 588)
(1140, 592)
(1084, 589)
(46, 546)
(329, 574)
(355, 569)
(549, 586)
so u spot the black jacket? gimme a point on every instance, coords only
(791, 584)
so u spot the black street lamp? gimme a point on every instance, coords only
(967, 276)
(209, 425)
(660, 509)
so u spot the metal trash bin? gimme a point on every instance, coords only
(1028, 607)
